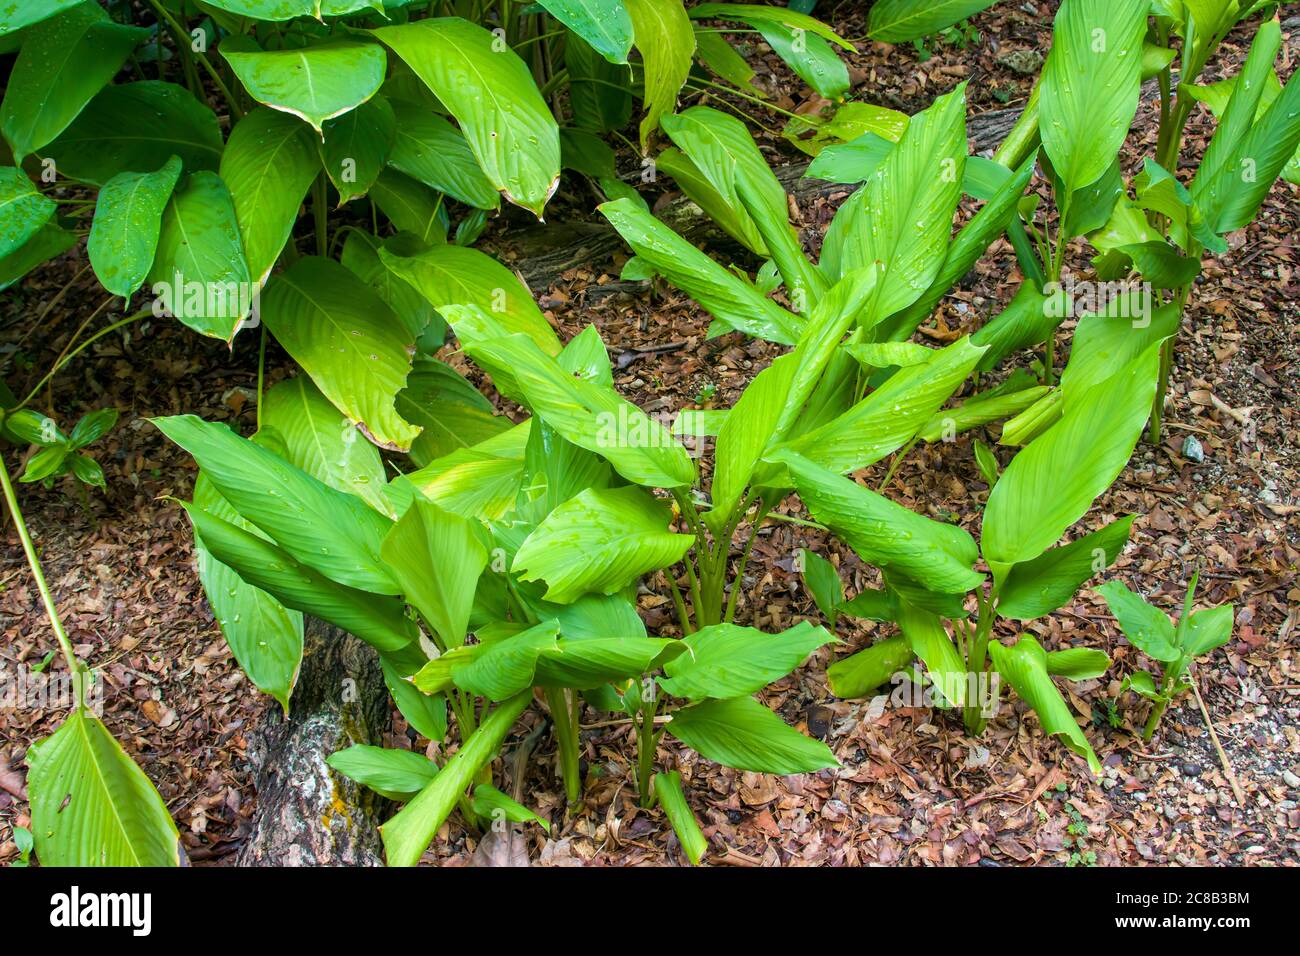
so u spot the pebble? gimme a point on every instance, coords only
(1291, 779)
(1171, 812)
(1192, 449)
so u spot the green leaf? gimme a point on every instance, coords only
(713, 50)
(348, 340)
(1077, 663)
(664, 36)
(14, 17)
(929, 640)
(798, 39)
(668, 788)
(92, 427)
(719, 291)
(411, 206)
(588, 663)
(583, 412)
(274, 10)
(1024, 666)
(64, 61)
(822, 579)
(136, 126)
(604, 24)
(743, 734)
(314, 83)
(898, 21)
(1161, 265)
(1207, 630)
(600, 92)
(430, 149)
(491, 94)
(269, 164)
(602, 541)
(496, 668)
(436, 558)
(726, 660)
(379, 621)
(361, 256)
(452, 412)
(859, 674)
(1053, 481)
(890, 416)
(491, 804)
(1142, 684)
(395, 774)
(902, 216)
(49, 241)
(1147, 628)
(200, 261)
(265, 636)
(357, 145)
(452, 275)
(91, 805)
(1089, 89)
(128, 217)
(1028, 319)
(407, 834)
(23, 210)
(883, 533)
(1046, 583)
(324, 443)
(333, 532)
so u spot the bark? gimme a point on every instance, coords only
(308, 814)
(544, 252)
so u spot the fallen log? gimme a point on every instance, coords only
(308, 814)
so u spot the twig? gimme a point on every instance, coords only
(1223, 757)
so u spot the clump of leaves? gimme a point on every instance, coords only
(60, 453)
(1174, 646)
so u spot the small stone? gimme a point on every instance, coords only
(1291, 779)
(1192, 449)
(1171, 812)
(1192, 769)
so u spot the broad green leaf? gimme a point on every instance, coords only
(136, 126)
(784, 15)
(264, 635)
(361, 256)
(852, 162)
(822, 579)
(604, 24)
(898, 21)
(1147, 628)
(586, 664)
(929, 640)
(1028, 319)
(453, 275)
(713, 50)
(724, 153)
(1040, 586)
(411, 206)
(128, 217)
(357, 145)
(199, 273)
(668, 788)
(379, 621)
(430, 149)
(902, 216)
(23, 210)
(600, 92)
(883, 533)
(496, 669)
(1077, 663)
(590, 415)
(479, 482)
(602, 541)
(891, 415)
(428, 715)
(49, 241)
(1143, 684)
(15, 16)
(269, 164)
(978, 410)
(491, 94)
(743, 734)
(1053, 481)
(1024, 666)
(64, 61)
(719, 291)
(314, 83)
(323, 442)
(662, 33)
(726, 660)
(452, 412)
(274, 10)
(800, 40)
(1109, 340)
(348, 340)
(491, 804)
(859, 674)
(1207, 630)
(333, 532)
(91, 805)
(436, 558)
(1161, 265)
(408, 834)
(1089, 89)
(395, 774)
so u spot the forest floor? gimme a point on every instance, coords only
(913, 788)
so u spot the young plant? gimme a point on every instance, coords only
(60, 454)
(1175, 646)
